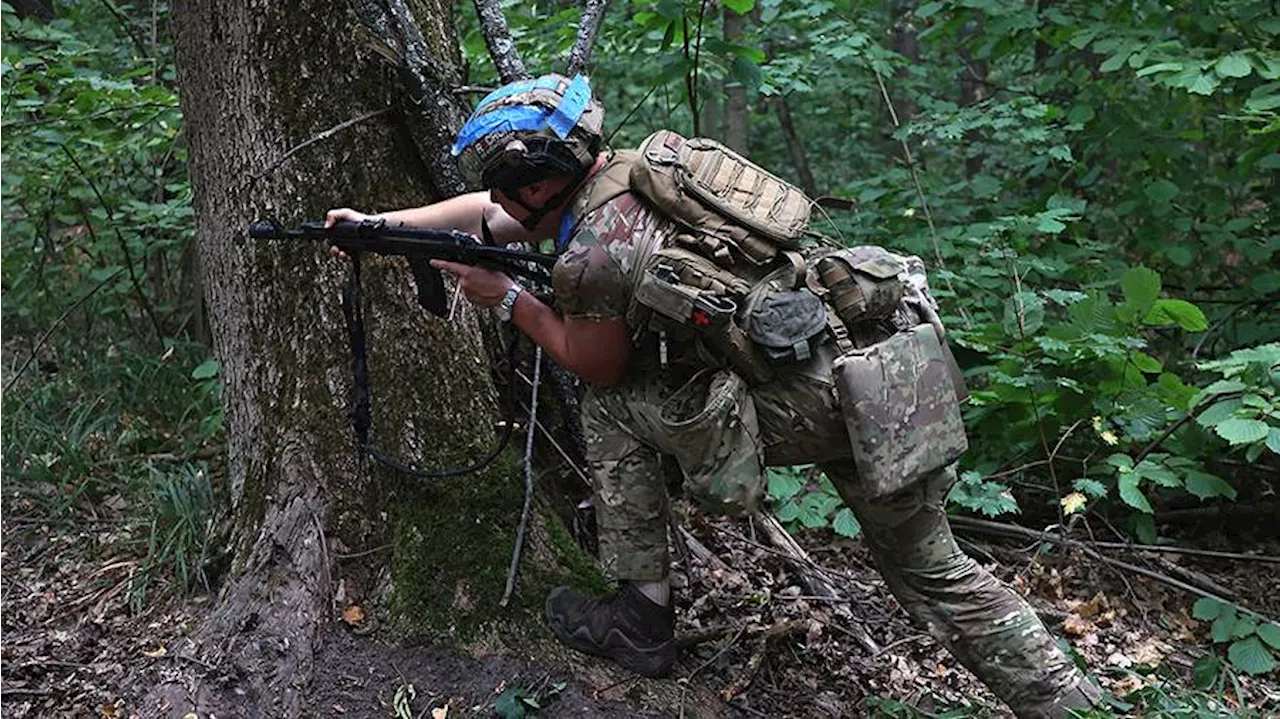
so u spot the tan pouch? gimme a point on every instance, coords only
(899, 404)
(711, 429)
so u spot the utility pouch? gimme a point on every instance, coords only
(861, 283)
(787, 326)
(711, 429)
(900, 407)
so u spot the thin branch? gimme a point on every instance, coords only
(497, 37)
(1155, 443)
(982, 525)
(318, 138)
(588, 26)
(45, 337)
(924, 203)
(528, 479)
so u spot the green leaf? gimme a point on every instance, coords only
(1273, 440)
(1270, 633)
(1160, 67)
(508, 705)
(1224, 624)
(1246, 627)
(1141, 287)
(742, 7)
(1251, 656)
(207, 369)
(1133, 496)
(1160, 191)
(845, 524)
(1145, 527)
(1023, 314)
(1122, 462)
(1206, 608)
(1219, 412)
(1204, 84)
(1233, 65)
(1180, 312)
(1238, 430)
(1206, 670)
(784, 483)
(1205, 485)
(1146, 363)
(1091, 487)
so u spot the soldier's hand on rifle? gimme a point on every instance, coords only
(483, 288)
(343, 214)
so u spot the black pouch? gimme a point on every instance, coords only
(787, 326)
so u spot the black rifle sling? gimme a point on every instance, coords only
(361, 417)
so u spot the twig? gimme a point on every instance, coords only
(365, 553)
(588, 26)
(318, 138)
(528, 479)
(124, 246)
(684, 683)
(815, 580)
(982, 525)
(743, 680)
(1155, 443)
(61, 318)
(904, 640)
(924, 203)
(497, 37)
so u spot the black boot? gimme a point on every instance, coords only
(627, 627)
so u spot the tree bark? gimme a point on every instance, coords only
(735, 104)
(260, 79)
(37, 9)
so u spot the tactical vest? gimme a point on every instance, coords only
(735, 278)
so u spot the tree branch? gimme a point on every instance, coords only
(588, 26)
(497, 37)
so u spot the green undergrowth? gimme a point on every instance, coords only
(452, 547)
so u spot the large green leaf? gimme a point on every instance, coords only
(1177, 312)
(1251, 656)
(1238, 430)
(1131, 495)
(1141, 287)
(1270, 633)
(1206, 608)
(1234, 65)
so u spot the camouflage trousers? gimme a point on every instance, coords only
(982, 622)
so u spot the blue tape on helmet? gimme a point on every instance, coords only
(570, 109)
(506, 119)
(546, 82)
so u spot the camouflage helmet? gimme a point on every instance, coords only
(527, 130)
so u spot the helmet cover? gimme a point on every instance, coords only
(527, 130)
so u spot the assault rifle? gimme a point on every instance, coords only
(417, 244)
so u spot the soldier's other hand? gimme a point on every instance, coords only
(343, 214)
(483, 288)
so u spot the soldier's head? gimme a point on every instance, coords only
(533, 141)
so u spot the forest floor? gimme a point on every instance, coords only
(73, 646)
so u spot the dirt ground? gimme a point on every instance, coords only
(72, 646)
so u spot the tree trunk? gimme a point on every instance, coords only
(735, 103)
(314, 530)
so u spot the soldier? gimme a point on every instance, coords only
(648, 315)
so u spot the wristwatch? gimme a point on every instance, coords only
(508, 304)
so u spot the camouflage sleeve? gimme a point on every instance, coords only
(589, 284)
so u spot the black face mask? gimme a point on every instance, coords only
(536, 214)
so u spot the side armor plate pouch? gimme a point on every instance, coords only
(711, 429)
(900, 407)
